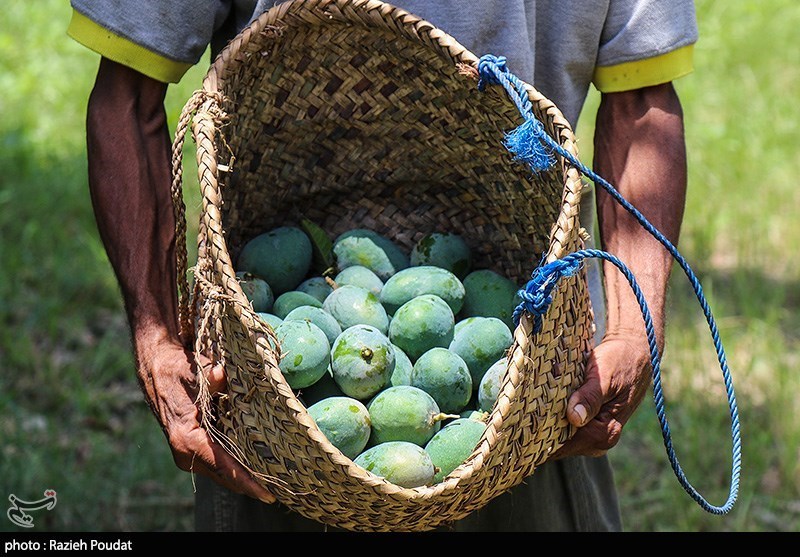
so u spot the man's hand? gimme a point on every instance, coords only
(130, 177)
(167, 373)
(616, 379)
(640, 149)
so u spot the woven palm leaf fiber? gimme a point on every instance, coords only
(357, 114)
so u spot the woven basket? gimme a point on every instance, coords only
(357, 114)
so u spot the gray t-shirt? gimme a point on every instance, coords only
(555, 45)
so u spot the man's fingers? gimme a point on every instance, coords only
(596, 438)
(586, 401)
(212, 460)
(217, 380)
(214, 374)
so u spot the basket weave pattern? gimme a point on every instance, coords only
(357, 114)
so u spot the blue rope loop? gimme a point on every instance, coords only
(527, 143)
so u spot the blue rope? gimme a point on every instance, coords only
(525, 141)
(531, 144)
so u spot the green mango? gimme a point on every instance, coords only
(318, 317)
(305, 352)
(404, 413)
(345, 422)
(317, 287)
(446, 250)
(371, 250)
(444, 375)
(288, 301)
(481, 343)
(362, 361)
(453, 444)
(489, 294)
(358, 275)
(282, 257)
(420, 324)
(257, 291)
(409, 283)
(353, 305)
(489, 387)
(399, 462)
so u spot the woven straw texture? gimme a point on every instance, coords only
(357, 114)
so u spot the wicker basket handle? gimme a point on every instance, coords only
(210, 104)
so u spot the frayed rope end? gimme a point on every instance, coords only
(524, 143)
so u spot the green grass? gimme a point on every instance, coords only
(73, 416)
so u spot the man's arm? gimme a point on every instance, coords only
(128, 149)
(640, 149)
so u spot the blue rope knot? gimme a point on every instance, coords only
(528, 142)
(538, 292)
(488, 66)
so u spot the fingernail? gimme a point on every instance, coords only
(581, 412)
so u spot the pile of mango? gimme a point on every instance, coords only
(397, 356)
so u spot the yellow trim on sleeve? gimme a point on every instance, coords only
(643, 73)
(120, 49)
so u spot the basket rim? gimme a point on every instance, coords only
(408, 24)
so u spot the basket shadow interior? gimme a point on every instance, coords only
(372, 119)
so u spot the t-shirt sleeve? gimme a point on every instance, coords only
(644, 43)
(159, 39)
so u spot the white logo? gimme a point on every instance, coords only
(16, 512)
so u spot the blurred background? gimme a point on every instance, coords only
(72, 417)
